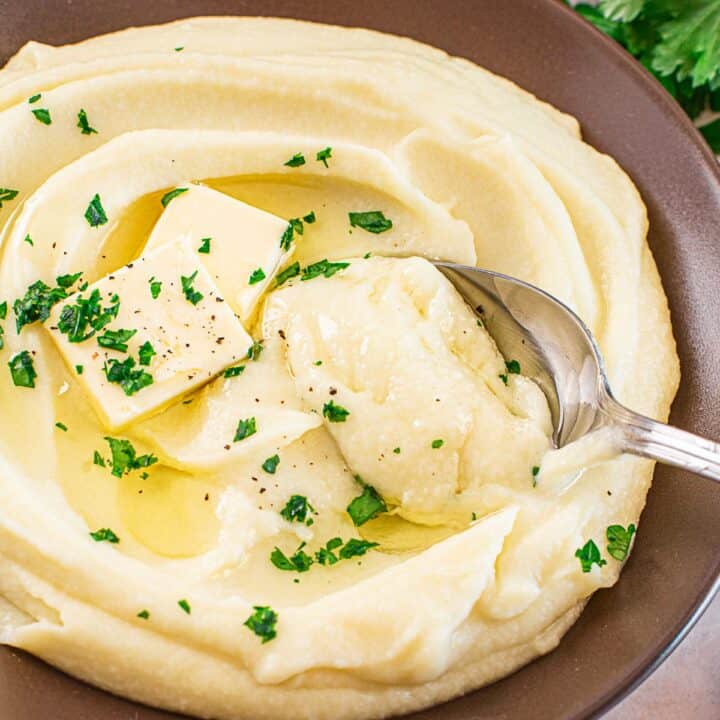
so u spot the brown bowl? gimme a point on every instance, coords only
(628, 630)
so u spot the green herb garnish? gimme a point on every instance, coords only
(168, 196)
(38, 301)
(245, 429)
(34, 98)
(326, 555)
(61, 426)
(323, 155)
(366, 506)
(79, 369)
(373, 221)
(619, 540)
(256, 276)
(262, 622)
(124, 373)
(143, 615)
(204, 246)
(27, 239)
(504, 378)
(535, 473)
(356, 548)
(6, 194)
(155, 287)
(589, 554)
(95, 213)
(84, 125)
(289, 272)
(116, 340)
(396, 450)
(437, 443)
(185, 606)
(255, 350)
(146, 353)
(270, 465)
(42, 115)
(334, 413)
(287, 237)
(297, 508)
(323, 267)
(234, 371)
(86, 316)
(513, 367)
(125, 458)
(191, 295)
(296, 160)
(98, 459)
(310, 217)
(300, 561)
(3, 309)
(22, 370)
(105, 535)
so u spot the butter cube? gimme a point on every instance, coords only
(147, 334)
(241, 242)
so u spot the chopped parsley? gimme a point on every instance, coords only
(504, 378)
(105, 535)
(124, 374)
(61, 426)
(323, 155)
(84, 125)
(296, 160)
(245, 429)
(79, 369)
(255, 350)
(437, 443)
(185, 606)
(3, 309)
(373, 221)
(299, 561)
(589, 554)
(366, 506)
(262, 622)
(289, 272)
(38, 301)
(6, 194)
(619, 540)
(396, 450)
(169, 196)
(34, 98)
(297, 508)
(116, 340)
(256, 276)
(29, 240)
(356, 548)
(22, 370)
(125, 458)
(334, 413)
(191, 295)
(86, 316)
(95, 213)
(326, 555)
(323, 267)
(318, 363)
(42, 115)
(146, 353)
(513, 367)
(66, 281)
(179, 49)
(143, 615)
(535, 473)
(270, 465)
(204, 246)
(310, 217)
(367, 255)
(287, 237)
(155, 287)
(234, 371)
(98, 459)
(2, 338)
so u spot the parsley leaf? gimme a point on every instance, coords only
(95, 213)
(61, 426)
(204, 246)
(22, 370)
(366, 506)
(146, 353)
(300, 561)
(535, 473)
(335, 413)
(123, 373)
(255, 350)
(589, 554)
(38, 301)
(84, 125)
(29, 240)
(86, 316)
(296, 160)
(323, 267)
(185, 606)
(256, 276)
(42, 115)
(3, 309)
(155, 287)
(289, 272)
(143, 614)
(262, 622)
(619, 540)
(116, 340)
(125, 458)
(168, 196)
(287, 237)
(323, 155)
(373, 221)
(191, 295)
(326, 555)
(356, 548)
(79, 369)
(245, 429)
(437, 443)
(105, 535)
(34, 98)
(297, 508)
(270, 465)
(6, 195)
(513, 367)
(233, 371)
(310, 217)
(98, 459)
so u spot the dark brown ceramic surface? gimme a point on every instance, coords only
(545, 48)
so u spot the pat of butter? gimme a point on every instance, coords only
(192, 342)
(242, 240)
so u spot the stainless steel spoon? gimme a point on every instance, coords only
(557, 350)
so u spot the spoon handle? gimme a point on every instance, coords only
(642, 436)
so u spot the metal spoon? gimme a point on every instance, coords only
(557, 350)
